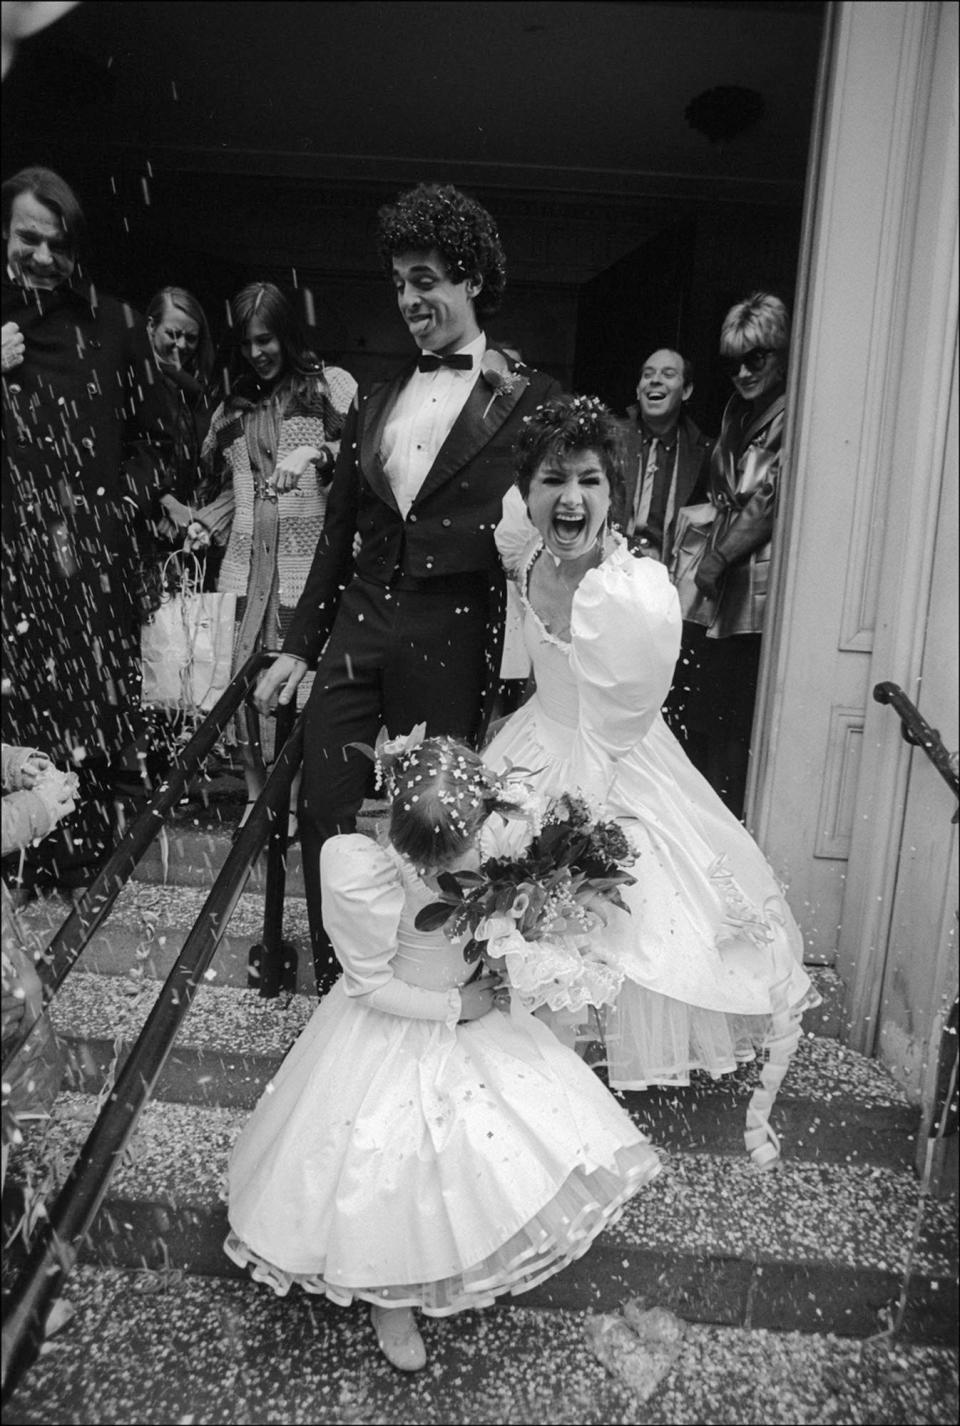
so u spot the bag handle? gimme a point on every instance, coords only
(189, 569)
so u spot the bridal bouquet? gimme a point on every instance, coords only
(532, 915)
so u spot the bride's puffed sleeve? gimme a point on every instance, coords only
(514, 534)
(625, 639)
(362, 901)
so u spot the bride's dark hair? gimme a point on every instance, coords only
(566, 425)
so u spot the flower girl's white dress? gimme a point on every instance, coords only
(405, 1159)
(711, 953)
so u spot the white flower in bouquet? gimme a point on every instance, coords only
(531, 915)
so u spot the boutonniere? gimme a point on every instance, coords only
(495, 371)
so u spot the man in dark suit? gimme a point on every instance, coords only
(667, 454)
(667, 467)
(405, 596)
(86, 443)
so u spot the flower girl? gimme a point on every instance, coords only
(422, 1147)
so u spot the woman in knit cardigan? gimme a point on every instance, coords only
(271, 450)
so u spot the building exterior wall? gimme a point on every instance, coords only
(866, 556)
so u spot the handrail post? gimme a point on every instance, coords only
(272, 965)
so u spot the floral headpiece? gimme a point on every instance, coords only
(386, 754)
(585, 412)
(472, 787)
(571, 423)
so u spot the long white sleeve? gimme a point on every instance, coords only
(625, 639)
(362, 902)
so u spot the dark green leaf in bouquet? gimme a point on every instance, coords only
(504, 899)
(472, 950)
(536, 894)
(605, 884)
(432, 917)
(551, 837)
(470, 878)
(449, 884)
(576, 850)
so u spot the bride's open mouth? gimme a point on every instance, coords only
(567, 529)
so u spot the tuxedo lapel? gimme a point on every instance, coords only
(482, 416)
(377, 408)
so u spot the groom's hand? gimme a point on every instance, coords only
(280, 681)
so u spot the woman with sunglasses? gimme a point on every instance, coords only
(733, 575)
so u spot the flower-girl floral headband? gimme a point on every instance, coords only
(395, 758)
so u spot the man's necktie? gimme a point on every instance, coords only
(644, 491)
(462, 361)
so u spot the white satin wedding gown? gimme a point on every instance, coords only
(710, 950)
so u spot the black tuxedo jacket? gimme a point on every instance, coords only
(448, 530)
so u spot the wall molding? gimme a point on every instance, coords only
(579, 185)
(838, 794)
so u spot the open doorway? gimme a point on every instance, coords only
(671, 295)
(599, 135)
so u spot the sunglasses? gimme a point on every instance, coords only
(754, 360)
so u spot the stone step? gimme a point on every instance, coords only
(193, 845)
(814, 1246)
(148, 924)
(835, 1106)
(820, 1242)
(156, 1347)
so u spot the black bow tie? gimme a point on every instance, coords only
(461, 362)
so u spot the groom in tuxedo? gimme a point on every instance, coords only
(402, 612)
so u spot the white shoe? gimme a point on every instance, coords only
(398, 1338)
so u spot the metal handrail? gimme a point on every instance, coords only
(916, 731)
(57, 1243)
(69, 942)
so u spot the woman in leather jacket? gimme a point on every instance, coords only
(733, 575)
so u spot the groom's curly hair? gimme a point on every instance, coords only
(438, 216)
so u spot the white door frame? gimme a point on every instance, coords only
(867, 446)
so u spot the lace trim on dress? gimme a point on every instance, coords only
(588, 1202)
(523, 585)
(740, 917)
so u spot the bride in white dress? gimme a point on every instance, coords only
(418, 1147)
(710, 950)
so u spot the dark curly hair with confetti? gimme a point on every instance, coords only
(440, 217)
(565, 426)
(441, 794)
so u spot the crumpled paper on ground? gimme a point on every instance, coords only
(638, 1348)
